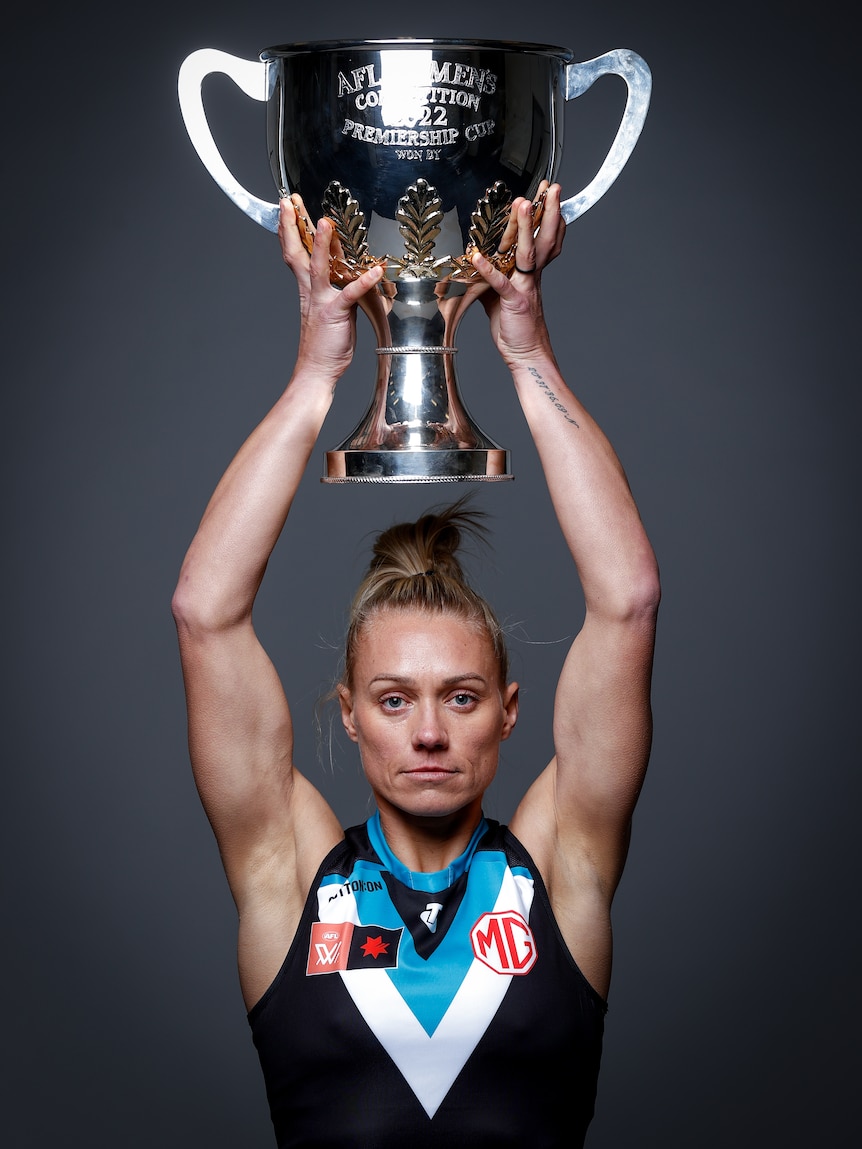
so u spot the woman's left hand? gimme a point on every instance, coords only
(514, 307)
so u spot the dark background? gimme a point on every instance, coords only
(707, 312)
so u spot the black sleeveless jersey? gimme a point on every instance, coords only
(417, 1010)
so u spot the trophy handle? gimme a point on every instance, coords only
(254, 78)
(580, 77)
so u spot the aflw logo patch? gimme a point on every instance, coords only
(337, 946)
(504, 942)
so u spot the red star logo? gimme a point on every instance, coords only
(374, 947)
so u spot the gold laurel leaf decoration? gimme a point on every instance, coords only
(489, 219)
(485, 211)
(344, 211)
(419, 216)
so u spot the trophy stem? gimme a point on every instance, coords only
(417, 429)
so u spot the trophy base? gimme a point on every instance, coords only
(417, 466)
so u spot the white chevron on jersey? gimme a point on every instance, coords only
(431, 1062)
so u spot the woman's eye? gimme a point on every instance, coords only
(394, 703)
(463, 699)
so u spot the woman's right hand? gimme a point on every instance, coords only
(328, 314)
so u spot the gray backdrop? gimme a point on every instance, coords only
(703, 310)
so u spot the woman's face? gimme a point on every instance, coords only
(428, 711)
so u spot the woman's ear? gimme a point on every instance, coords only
(345, 701)
(510, 707)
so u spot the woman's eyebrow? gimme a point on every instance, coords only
(450, 680)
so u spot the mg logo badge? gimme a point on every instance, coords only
(504, 942)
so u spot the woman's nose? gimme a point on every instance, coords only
(429, 729)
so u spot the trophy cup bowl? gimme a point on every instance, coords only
(415, 149)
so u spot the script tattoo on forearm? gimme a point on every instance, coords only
(550, 394)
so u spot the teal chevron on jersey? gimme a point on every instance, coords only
(429, 1012)
(428, 986)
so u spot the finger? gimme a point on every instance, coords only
(325, 247)
(509, 236)
(525, 251)
(492, 275)
(294, 248)
(287, 235)
(541, 191)
(552, 208)
(357, 288)
(552, 231)
(299, 203)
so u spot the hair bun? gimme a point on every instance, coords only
(415, 566)
(428, 546)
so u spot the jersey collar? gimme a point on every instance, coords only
(431, 883)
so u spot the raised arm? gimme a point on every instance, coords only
(272, 827)
(575, 819)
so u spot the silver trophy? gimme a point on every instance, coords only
(415, 149)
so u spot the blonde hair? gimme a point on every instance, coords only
(414, 566)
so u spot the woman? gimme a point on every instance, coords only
(445, 978)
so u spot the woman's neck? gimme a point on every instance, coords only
(425, 844)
